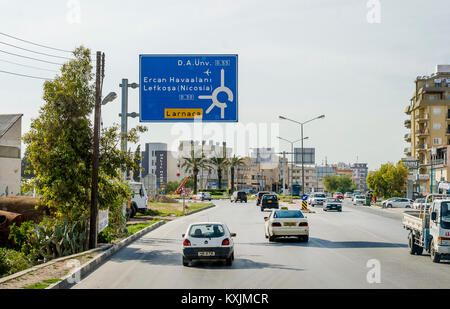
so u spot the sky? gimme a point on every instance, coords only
(344, 59)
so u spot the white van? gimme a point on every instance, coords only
(201, 196)
(139, 200)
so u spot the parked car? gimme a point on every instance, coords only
(359, 199)
(418, 202)
(240, 196)
(400, 203)
(316, 199)
(282, 223)
(383, 203)
(338, 195)
(332, 203)
(208, 241)
(269, 201)
(202, 196)
(259, 195)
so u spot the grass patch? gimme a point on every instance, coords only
(36, 286)
(133, 228)
(51, 281)
(172, 209)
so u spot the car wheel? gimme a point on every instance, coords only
(389, 206)
(262, 209)
(306, 238)
(229, 261)
(411, 244)
(340, 210)
(133, 210)
(271, 238)
(185, 261)
(435, 257)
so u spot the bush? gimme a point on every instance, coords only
(106, 236)
(12, 261)
(214, 191)
(22, 237)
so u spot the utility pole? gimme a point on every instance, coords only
(284, 172)
(100, 73)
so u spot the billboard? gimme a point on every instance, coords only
(309, 155)
(161, 167)
(182, 88)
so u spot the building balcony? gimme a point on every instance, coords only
(422, 118)
(407, 150)
(408, 137)
(408, 123)
(408, 110)
(422, 132)
(447, 132)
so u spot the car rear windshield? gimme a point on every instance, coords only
(333, 200)
(206, 230)
(242, 194)
(269, 197)
(319, 195)
(359, 197)
(288, 214)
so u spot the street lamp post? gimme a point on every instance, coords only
(301, 133)
(292, 159)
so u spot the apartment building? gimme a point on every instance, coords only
(429, 129)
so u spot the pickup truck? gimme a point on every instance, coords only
(429, 227)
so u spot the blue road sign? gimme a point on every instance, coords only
(304, 197)
(182, 88)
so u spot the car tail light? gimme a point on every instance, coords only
(276, 224)
(186, 242)
(303, 224)
(226, 242)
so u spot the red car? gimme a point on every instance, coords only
(338, 195)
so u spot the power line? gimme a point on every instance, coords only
(2, 51)
(24, 75)
(36, 52)
(27, 66)
(40, 45)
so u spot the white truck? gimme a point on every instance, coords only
(430, 227)
(139, 200)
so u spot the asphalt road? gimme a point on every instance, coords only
(336, 256)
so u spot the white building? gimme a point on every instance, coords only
(207, 178)
(10, 151)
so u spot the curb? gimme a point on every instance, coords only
(82, 271)
(198, 210)
(26, 271)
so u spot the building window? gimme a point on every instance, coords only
(437, 141)
(433, 97)
(437, 111)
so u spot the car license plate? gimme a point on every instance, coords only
(206, 253)
(269, 201)
(289, 223)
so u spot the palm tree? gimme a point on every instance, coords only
(194, 163)
(220, 163)
(234, 162)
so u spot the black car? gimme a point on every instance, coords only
(269, 201)
(259, 195)
(240, 196)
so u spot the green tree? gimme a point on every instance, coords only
(388, 181)
(220, 164)
(60, 142)
(234, 162)
(193, 164)
(336, 183)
